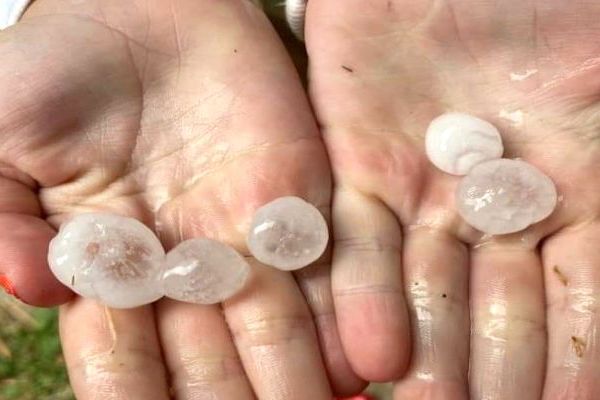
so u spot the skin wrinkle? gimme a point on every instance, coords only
(458, 33)
(107, 366)
(104, 24)
(173, 10)
(383, 289)
(234, 158)
(11, 173)
(269, 331)
(367, 244)
(193, 370)
(271, 365)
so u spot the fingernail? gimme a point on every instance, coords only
(7, 286)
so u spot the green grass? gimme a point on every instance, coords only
(34, 369)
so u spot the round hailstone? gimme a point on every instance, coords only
(204, 271)
(505, 196)
(288, 233)
(457, 142)
(113, 259)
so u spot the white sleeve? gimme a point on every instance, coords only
(11, 11)
(295, 11)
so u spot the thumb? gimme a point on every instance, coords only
(24, 239)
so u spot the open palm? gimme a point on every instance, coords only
(512, 317)
(165, 111)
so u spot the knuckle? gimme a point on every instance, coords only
(203, 370)
(272, 331)
(373, 244)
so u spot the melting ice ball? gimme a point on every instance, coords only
(110, 258)
(456, 142)
(505, 196)
(288, 233)
(204, 271)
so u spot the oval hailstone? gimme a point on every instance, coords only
(204, 271)
(110, 258)
(505, 196)
(456, 142)
(288, 233)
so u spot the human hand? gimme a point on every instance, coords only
(187, 115)
(511, 317)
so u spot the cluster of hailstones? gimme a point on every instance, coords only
(122, 264)
(498, 195)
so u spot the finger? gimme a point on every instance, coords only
(24, 239)
(275, 337)
(436, 272)
(315, 282)
(200, 354)
(572, 272)
(508, 339)
(271, 325)
(367, 286)
(112, 354)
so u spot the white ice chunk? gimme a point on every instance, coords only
(204, 271)
(113, 259)
(288, 233)
(505, 196)
(456, 142)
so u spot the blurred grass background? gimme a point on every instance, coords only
(31, 365)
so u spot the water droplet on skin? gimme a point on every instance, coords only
(516, 118)
(516, 76)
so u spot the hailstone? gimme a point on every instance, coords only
(203, 271)
(505, 196)
(113, 259)
(288, 233)
(456, 142)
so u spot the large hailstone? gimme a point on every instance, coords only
(505, 196)
(110, 258)
(456, 142)
(204, 271)
(288, 233)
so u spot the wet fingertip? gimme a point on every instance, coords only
(383, 367)
(382, 359)
(348, 389)
(375, 333)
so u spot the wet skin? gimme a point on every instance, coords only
(168, 112)
(511, 317)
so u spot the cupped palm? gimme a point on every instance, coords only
(491, 317)
(168, 112)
